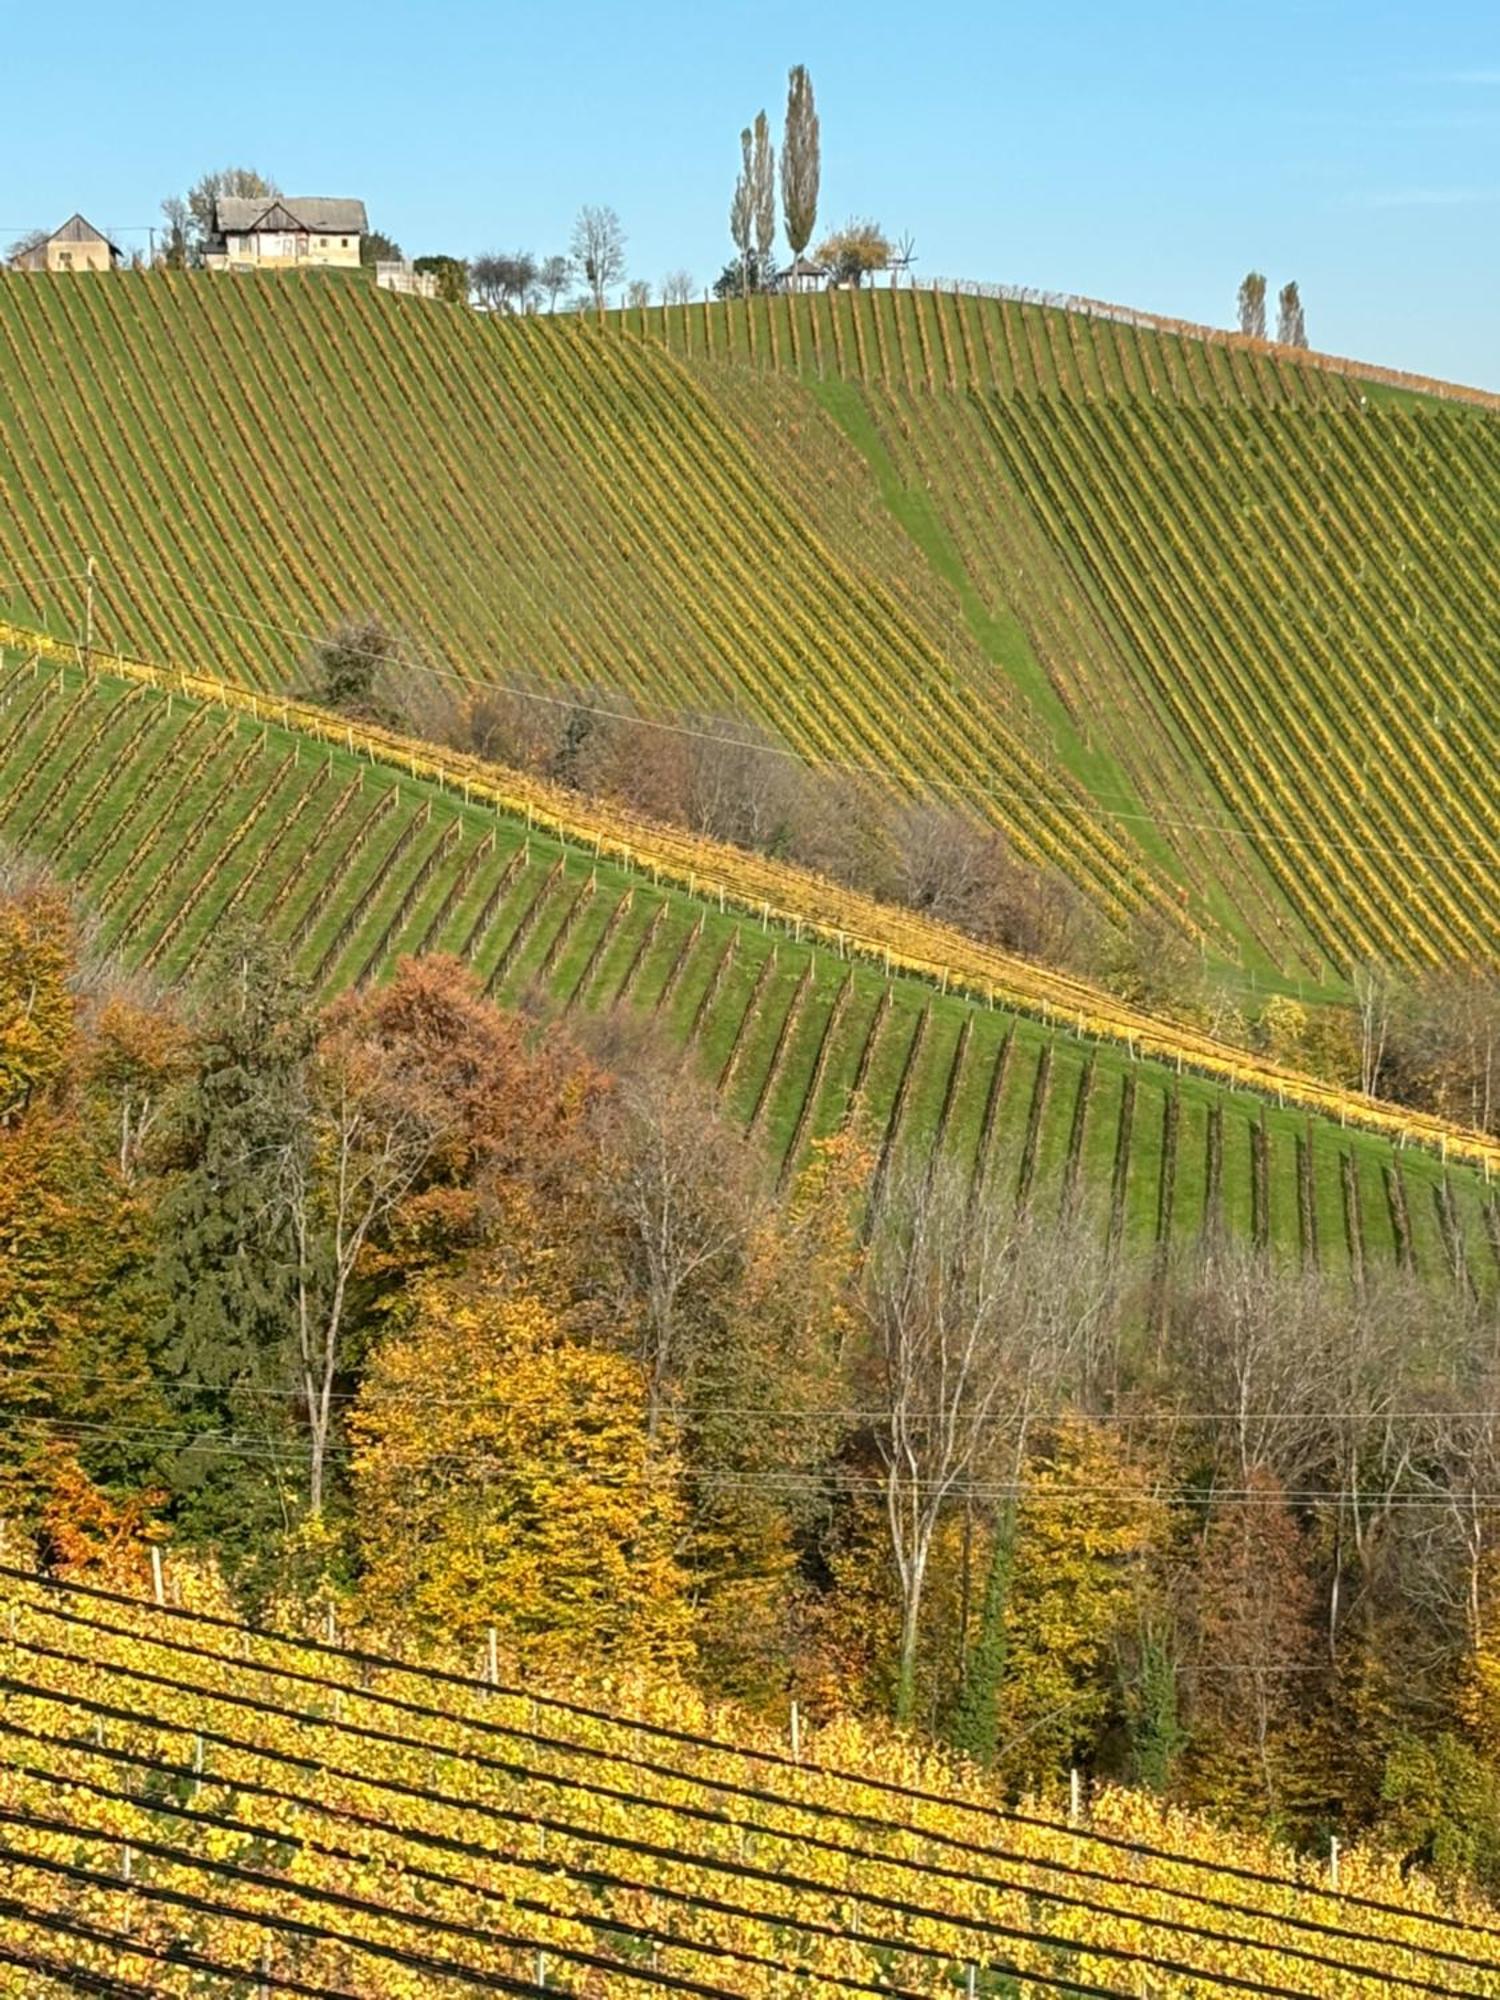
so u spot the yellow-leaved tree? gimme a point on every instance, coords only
(1085, 1528)
(503, 1476)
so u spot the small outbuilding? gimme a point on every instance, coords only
(77, 246)
(803, 275)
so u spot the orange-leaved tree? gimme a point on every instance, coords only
(503, 1476)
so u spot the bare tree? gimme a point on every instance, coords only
(1252, 305)
(638, 293)
(680, 1188)
(24, 245)
(1291, 323)
(364, 1138)
(960, 1357)
(190, 221)
(598, 250)
(552, 276)
(801, 162)
(677, 288)
(487, 277)
(1375, 992)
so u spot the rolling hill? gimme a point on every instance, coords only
(174, 810)
(1206, 626)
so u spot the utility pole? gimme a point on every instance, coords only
(88, 616)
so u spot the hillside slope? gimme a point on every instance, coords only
(246, 463)
(184, 1798)
(1255, 602)
(174, 814)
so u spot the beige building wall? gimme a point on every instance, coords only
(67, 257)
(269, 251)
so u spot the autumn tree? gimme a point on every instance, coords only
(853, 252)
(763, 1424)
(1086, 1523)
(356, 669)
(801, 162)
(78, 1414)
(1252, 305)
(1253, 1620)
(451, 275)
(503, 1475)
(597, 250)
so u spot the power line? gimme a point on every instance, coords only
(1243, 825)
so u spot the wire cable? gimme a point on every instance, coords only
(717, 1818)
(634, 1885)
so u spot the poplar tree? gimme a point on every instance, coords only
(1291, 326)
(763, 189)
(742, 209)
(801, 160)
(1252, 305)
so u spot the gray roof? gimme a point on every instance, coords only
(77, 230)
(319, 214)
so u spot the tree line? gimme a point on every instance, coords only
(1428, 1038)
(455, 1316)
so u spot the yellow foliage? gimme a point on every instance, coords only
(503, 1476)
(36, 1006)
(1084, 1530)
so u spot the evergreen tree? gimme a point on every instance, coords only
(225, 1259)
(975, 1727)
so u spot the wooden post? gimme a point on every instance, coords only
(88, 616)
(329, 1634)
(158, 1581)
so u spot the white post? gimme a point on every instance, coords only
(1333, 1860)
(493, 1660)
(541, 1971)
(796, 1734)
(970, 1987)
(125, 1863)
(158, 1581)
(1075, 1797)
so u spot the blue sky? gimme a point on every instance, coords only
(1148, 153)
